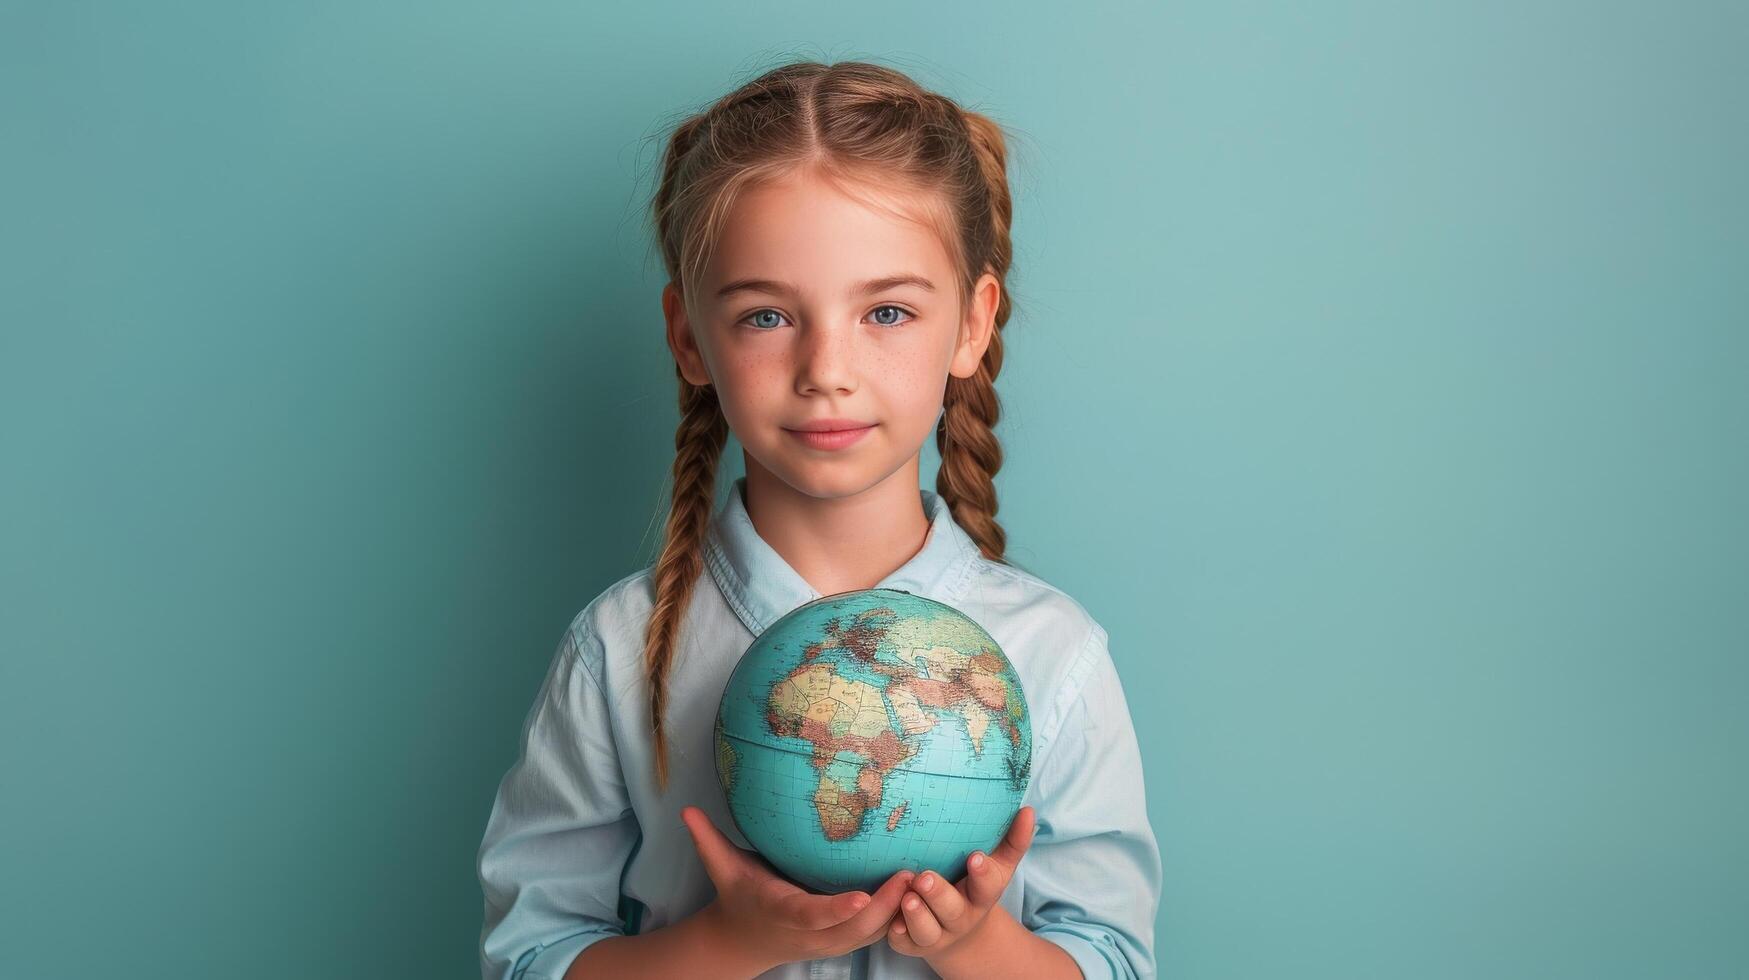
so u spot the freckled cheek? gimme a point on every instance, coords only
(909, 390)
(770, 377)
(754, 385)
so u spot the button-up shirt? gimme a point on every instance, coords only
(580, 846)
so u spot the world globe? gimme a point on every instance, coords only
(872, 731)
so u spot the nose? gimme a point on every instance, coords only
(825, 359)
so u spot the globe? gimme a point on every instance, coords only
(872, 731)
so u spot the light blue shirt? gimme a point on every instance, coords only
(580, 846)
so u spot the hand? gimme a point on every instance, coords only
(935, 915)
(774, 921)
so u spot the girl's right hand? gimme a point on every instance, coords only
(773, 920)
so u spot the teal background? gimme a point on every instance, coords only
(1377, 378)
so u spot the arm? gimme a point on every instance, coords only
(696, 946)
(560, 831)
(1092, 877)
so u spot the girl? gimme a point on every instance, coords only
(837, 240)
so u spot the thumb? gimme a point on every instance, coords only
(722, 859)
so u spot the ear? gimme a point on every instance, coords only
(681, 342)
(977, 327)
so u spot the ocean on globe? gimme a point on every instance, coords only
(870, 731)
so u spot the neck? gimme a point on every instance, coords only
(839, 544)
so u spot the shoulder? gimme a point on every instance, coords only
(1056, 645)
(615, 616)
(1009, 590)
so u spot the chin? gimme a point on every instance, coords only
(827, 478)
(830, 482)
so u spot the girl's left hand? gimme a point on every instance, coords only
(934, 915)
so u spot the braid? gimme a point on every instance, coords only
(971, 453)
(966, 438)
(698, 443)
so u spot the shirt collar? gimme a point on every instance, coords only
(761, 586)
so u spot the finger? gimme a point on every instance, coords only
(920, 923)
(721, 858)
(1018, 839)
(806, 910)
(899, 937)
(944, 901)
(873, 919)
(985, 879)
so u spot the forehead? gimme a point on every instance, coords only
(807, 230)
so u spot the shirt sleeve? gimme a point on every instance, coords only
(1092, 875)
(560, 832)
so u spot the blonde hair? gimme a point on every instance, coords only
(857, 124)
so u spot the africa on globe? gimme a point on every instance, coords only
(872, 731)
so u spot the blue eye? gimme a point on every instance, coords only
(762, 326)
(892, 307)
(757, 313)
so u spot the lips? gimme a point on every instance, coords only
(829, 425)
(832, 438)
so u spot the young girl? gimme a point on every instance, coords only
(837, 240)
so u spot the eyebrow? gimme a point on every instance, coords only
(783, 288)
